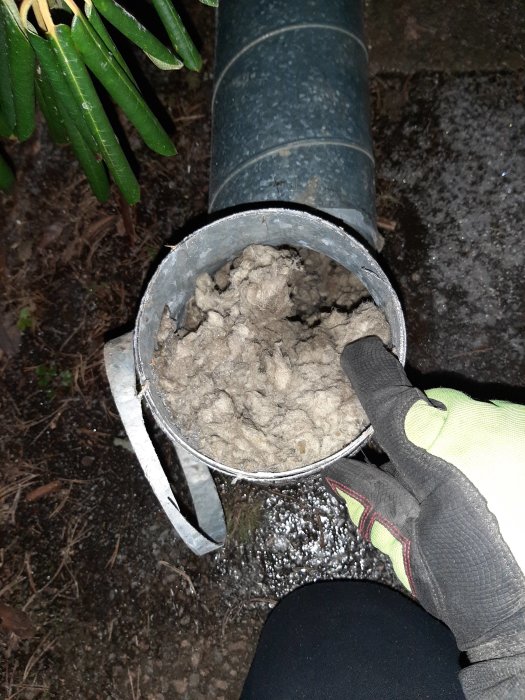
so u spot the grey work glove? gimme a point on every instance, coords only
(449, 510)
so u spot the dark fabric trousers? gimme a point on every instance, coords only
(353, 639)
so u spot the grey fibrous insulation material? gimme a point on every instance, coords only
(253, 378)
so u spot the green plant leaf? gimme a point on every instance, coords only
(21, 61)
(98, 25)
(178, 35)
(45, 374)
(91, 163)
(210, 3)
(93, 168)
(7, 102)
(49, 109)
(105, 67)
(60, 89)
(77, 75)
(65, 119)
(7, 177)
(5, 130)
(25, 321)
(137, 33)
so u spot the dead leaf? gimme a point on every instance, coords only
(42, 491)
(386, 224)
(16, 622)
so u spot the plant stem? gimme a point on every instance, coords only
(38, 16)
(73, 7)
(46, 16)
(25, 6)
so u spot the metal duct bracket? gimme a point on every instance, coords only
(211, 531)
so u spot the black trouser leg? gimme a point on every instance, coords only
(353, 640)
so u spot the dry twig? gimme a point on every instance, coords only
(113, 558)
(135, 693)
(181, 572)
(386, 224)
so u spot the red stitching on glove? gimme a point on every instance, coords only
(334, 485)
(405, 542)
(365, 527)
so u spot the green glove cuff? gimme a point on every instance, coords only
(467, 431)
(486, 441)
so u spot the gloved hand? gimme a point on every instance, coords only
(448, 510)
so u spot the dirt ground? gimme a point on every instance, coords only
(97, 597)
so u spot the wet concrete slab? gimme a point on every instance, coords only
(425, 35)
(451, 172)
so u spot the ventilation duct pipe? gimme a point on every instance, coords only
(291, 120)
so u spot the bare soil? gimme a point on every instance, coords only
(81, 615)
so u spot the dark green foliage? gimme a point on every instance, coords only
(52, 65)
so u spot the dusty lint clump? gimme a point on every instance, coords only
(253, 378)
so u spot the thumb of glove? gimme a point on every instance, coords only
(380, 508)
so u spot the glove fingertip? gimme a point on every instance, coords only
(355, 353)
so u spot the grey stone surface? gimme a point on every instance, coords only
(469, 35)
(451, 170)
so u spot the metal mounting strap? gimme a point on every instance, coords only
(120, 369)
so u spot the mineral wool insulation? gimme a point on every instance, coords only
(252, 378)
